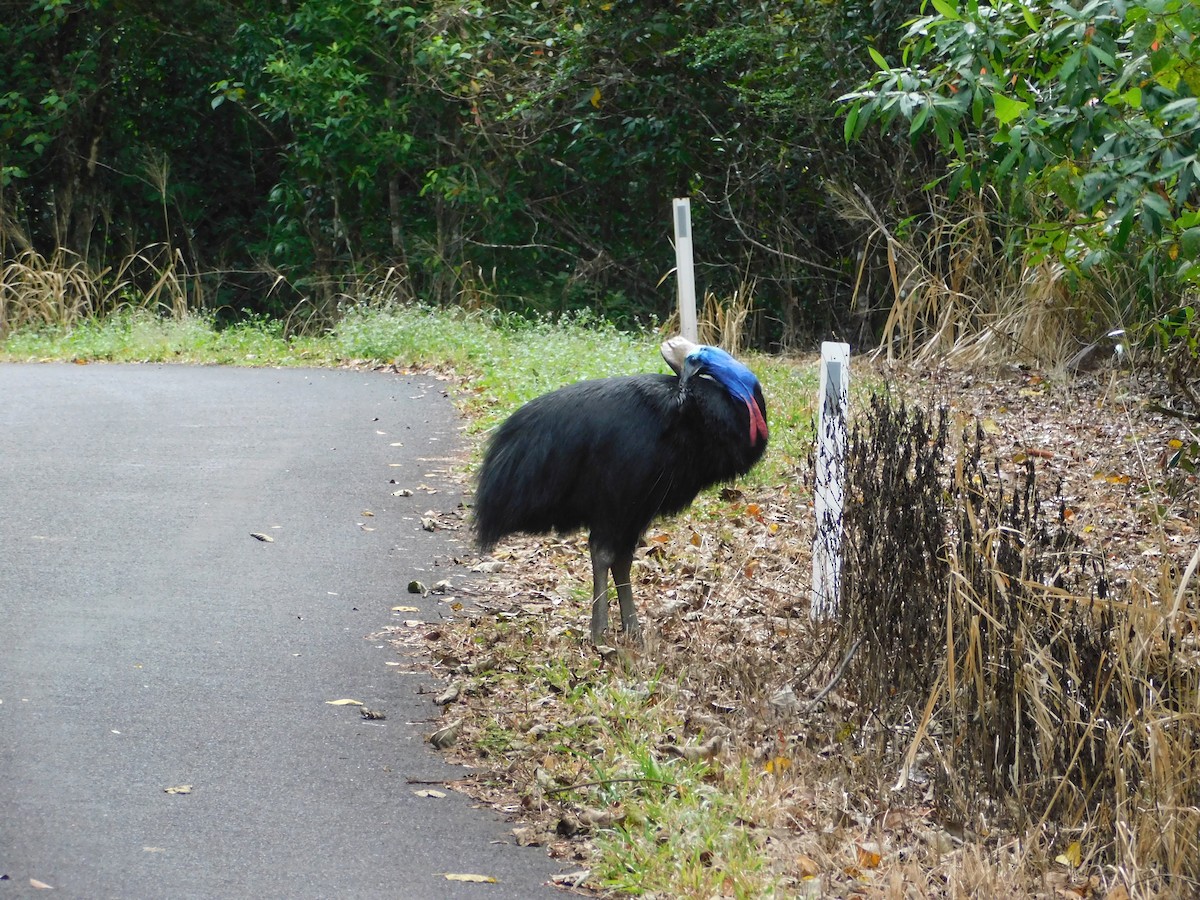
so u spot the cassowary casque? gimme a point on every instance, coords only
(612, 454)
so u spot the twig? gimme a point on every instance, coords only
(605, 781)
(837, 675)
(444, 781)
(1177, 413)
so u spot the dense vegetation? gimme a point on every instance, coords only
(523, 155)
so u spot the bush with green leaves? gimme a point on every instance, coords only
(1084, 119)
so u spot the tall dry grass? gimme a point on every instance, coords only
(62, 288)
(946, 287)
(1045, 699)
(721, 321)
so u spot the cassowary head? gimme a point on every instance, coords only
(690, 360)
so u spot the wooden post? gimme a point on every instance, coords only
(685, 275)
(830, 478)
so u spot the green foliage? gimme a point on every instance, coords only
(687, 838)
(335, 77)
(584, 121)
(108, 142)
(512, 155)
(1085, 120)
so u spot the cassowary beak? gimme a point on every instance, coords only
(675, 350)
(691, 368)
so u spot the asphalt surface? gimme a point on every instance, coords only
(148, 641)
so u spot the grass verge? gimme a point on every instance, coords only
(502, 360)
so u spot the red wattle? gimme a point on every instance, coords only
(758, 425)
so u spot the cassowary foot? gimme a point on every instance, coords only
(631, 629)
(631, 632)
(629, 621)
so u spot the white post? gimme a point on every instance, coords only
(685, 275)
(831, 472)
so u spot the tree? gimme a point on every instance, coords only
(1084, 119)
(334, 79)
(107, 132)
(594, 116)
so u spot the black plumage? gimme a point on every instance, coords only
(611, 455)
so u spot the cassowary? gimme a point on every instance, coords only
(612, 454)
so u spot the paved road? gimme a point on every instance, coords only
(148, 641)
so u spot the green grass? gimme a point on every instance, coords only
(687, 841)
(139, 336)
(505, 359)
(510, 359)
(679, 827)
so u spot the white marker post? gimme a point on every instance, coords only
(685, 275)
(831, 474)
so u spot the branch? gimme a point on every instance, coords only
(608, 781)
(837, 675)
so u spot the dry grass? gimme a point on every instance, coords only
(63, 290)
(953, 292)
(721, 322)
(35, 290)
(1048, 700)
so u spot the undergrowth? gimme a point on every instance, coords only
(994, 716)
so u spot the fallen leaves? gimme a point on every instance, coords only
(807, 867)
(529, 836)
(445, 737)
(451, 694)
(1071, 856)
(600, 818)
(694, 752)
(777, 765)
(868, 856)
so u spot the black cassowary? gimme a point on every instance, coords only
(612, 454)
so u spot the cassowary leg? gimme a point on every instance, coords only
(629, 620)
(600, 563)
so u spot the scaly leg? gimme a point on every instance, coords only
(600, 564)
(629, 620)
